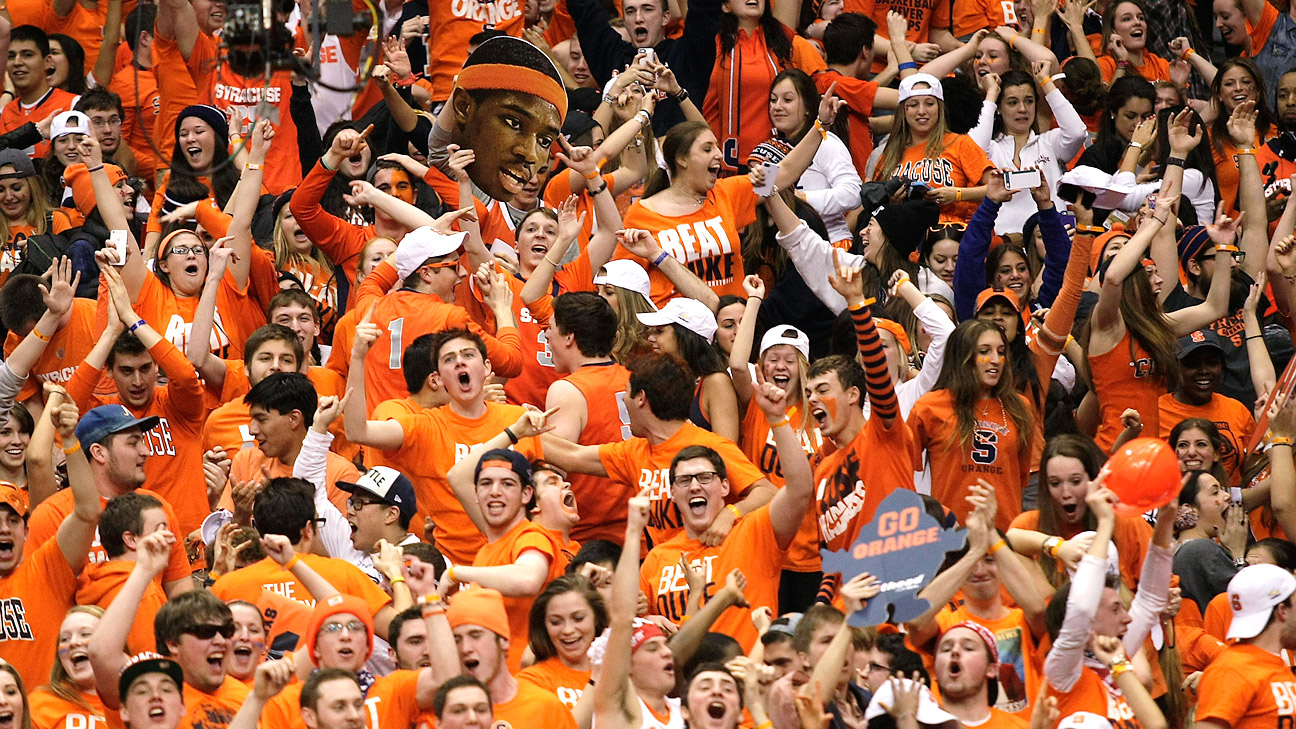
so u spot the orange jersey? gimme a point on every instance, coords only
(391, 703)
(532, 706)
(138, 89)
(750, 546)
(213, 710)
(845, 502)
(434, 442)
(636, 463)
(99, 584)
(973, 15)
(49, 711)
(340, 240)
(538, 372)
(524, 537)
(407, 315)
(34, 599)
(174, 465)
(453, 24)
(246, 465)
(1154, 67)
(1096, 695)
(706, 241)
(1131, 535)
(759, 447)
(601, 501)
(16, 114)
(228, 91)
(1232, 418)
(923, 15)
(859, 95)
(1019, 661)
(737, 102)
(962, 163)
(1125, 377)
(554, 676)
(993, 453)
(1247, 688)
(65, 350)
(43, 525)
(246, 583)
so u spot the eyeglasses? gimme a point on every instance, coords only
(196, 250)
(705, 478)
(444, 264)
(942, 227)
(354, 626)
(207, 631)
(112, 121)
(356, 504)
(879, 667)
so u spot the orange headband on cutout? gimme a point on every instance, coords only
(505, 77)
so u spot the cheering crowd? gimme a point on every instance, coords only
(499, 364)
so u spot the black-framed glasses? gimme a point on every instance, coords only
(207, 631)
(705, 478)
(356, 503)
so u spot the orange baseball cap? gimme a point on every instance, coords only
(13, 497)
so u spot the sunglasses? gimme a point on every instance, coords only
(354, 626)
(207, 631)
(444, 264)
(942, 227)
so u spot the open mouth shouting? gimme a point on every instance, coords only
(713, 172)
(1070, 511)
(697, 506)
(216, 661)
(639, 34)
(7, 552)
(195, 153)
(716, 709)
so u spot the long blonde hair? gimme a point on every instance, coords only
(37, 212)
(60, 683)
(901, 139)
(794, 393)
(285, 256)
(632, 335)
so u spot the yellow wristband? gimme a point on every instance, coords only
(77, 447)
(398, 578)
(998, 546)
(1037, 30)
(292, 563)
(252, 166)
(1246, 150)
(36, 333)
(432, 599)
(734, 509)
(1188, 54)
(818, 125)
(778, 424)
(958, 193)
(1281, 440)
(449, 573)
(1119, 667)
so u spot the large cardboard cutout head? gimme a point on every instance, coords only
(508, 106)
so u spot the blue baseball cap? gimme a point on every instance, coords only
(389, 485)
(510, 459)
(107, 420)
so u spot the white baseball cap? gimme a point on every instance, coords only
(691, 314)
(1253, 592)
(626, 274)
(69, 122)
(1113, 555)
(423, 243)
(1084, 720)
(934, 88)
(786, 334)
(929, 712)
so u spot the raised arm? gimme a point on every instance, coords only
(849, 282)
(540, 282)
(1263, 375)
(744, 340)
(42, 481)
(615, 702)
(1186, 321)
(57, 295)
(1282, 475)
(788, 508)
(271, 678)
(531, 423)
(244, 200)
(947, 63)
(1106, 312)
(77, 533)
(385, 435)
(641, 243)
(198, 345)
(942, 588)
(799, 159)
(108, 644)
(113, 214)
(1251, 197)
(183, 386)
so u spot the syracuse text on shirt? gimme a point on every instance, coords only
(935, 171)
(13, 616)
(246, 95)
(494, 13)
(703, 246)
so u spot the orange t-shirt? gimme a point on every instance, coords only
(1154, 67)
(1125, 377)
(245, 465)
(16, 114)
(1096, 695)
(750, 546)
(34, 599)
(246, 583)
(532, 707)
(1246, 688)
(737, 101)
(1019, 660)
(1232, 418)
(524, 537)
(391, 703)
(52, 712)
(858, 94)
(973, 15)
(554, 676)
(601, 501)
(1131, 535)
(706, 241)
(845, 503)
(636, 463)
(174, 465)
(1227, 176)
(227, 425)
(99, 584)
(993, 453)
(1260, 32)
(43, 525)
(138, 89)
(434, 442)
(962, 163)
(453, 24)
(213, 710)
(759, 447)
(407, 315)
(66, 349)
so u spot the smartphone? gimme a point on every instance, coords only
(1151, 202)
(117, 241)
(1022, 179)
(771, 174)
(1068, 220)
(650, 54)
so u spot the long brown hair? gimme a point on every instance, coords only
(1147, 324)
(9, 668)
(902, 138)
(538, 631)
(1082, 449)
(958, 375)
(60, 683)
